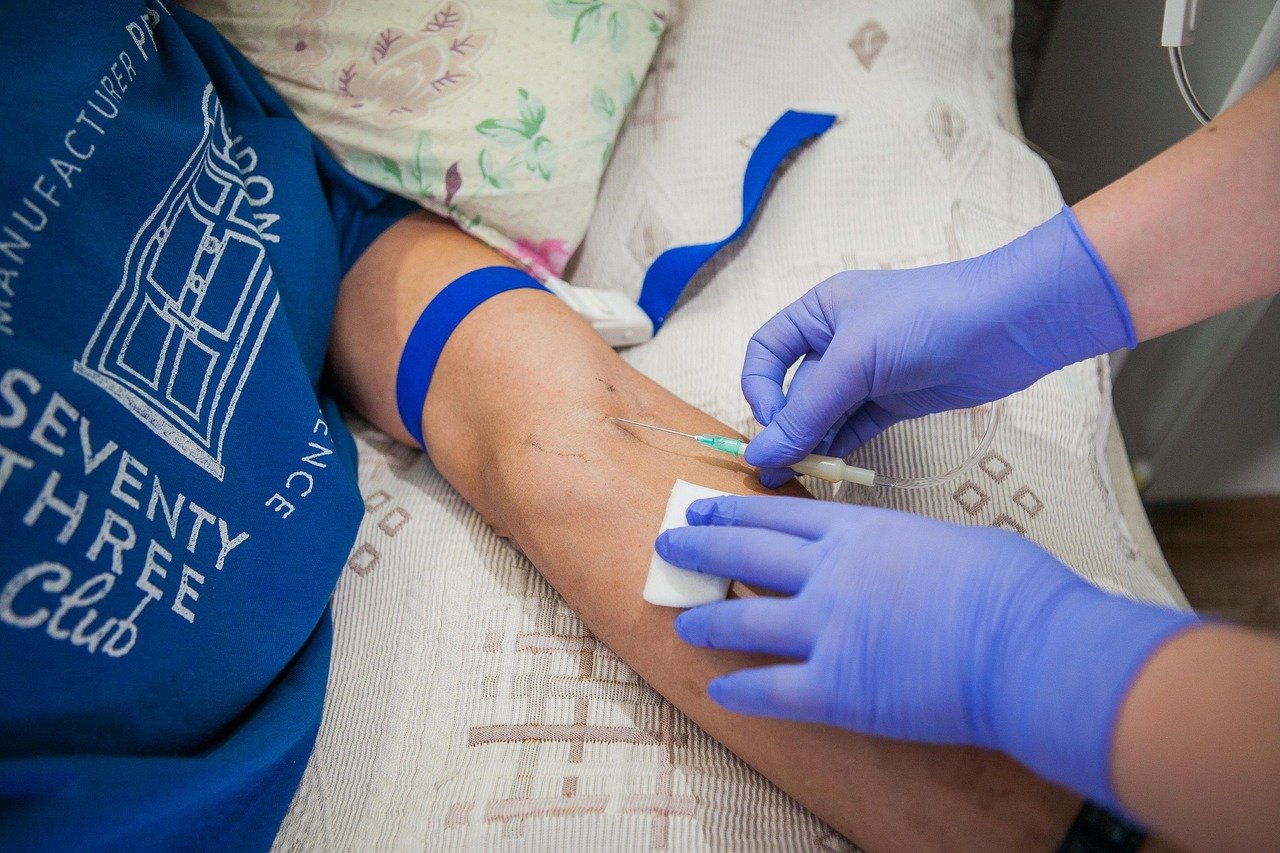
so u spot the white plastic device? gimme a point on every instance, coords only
(619, 321)
(1179, 28)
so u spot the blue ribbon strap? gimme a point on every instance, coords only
(675, 268)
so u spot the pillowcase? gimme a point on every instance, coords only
(500, 115)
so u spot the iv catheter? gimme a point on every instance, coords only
(829, 468)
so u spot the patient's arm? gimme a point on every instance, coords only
(516, 419)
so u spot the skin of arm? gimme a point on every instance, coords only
(516, 419)
(1196, 231)
(1192, 233)
(1197, 742)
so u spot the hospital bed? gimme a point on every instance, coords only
(468, 707)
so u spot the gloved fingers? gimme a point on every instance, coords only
(823, 447)
(749, 554)
(763, 625)
(815, 402)
(829, 440)
(784, 339)
(801, 517)
(783, 690)
(867, 421)
(772, 478)
(762, 376)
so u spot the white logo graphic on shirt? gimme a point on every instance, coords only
(180, 337)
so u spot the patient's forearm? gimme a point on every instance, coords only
(517, 420)
(582, 498)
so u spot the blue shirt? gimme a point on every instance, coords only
(176, 498)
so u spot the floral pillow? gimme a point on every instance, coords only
(500, 114)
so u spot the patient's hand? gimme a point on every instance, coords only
(517, 419)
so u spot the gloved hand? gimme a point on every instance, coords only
(880, 346)
(907, 627)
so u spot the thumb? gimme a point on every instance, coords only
(821, 394)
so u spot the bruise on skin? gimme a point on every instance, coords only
(632, 400)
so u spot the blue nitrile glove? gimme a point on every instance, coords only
(912, 628)
(881, 346)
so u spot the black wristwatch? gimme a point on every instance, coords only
(1096, 830)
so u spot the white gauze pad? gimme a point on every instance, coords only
(668, 586)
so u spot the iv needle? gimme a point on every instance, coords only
(733, 446)
(651, 426)
(827, 468)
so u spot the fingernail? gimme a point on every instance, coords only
(683, 626)
(758, 447)
(715, 689)
(774, 478)
(700, 510)
(662, 545)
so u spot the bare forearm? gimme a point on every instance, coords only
(1197, 744)
(1196, 231)
(582, 497)
(516, 419)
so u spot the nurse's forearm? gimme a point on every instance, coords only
(516, 419)
(1196, 231)
(1197, 742)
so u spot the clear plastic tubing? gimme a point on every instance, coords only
(981, 450)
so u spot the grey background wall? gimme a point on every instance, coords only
(1104, 102)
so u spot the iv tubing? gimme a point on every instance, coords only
(1184, 85)
(984, 445)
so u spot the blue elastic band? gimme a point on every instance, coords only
(436, 323)
(674, 268)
